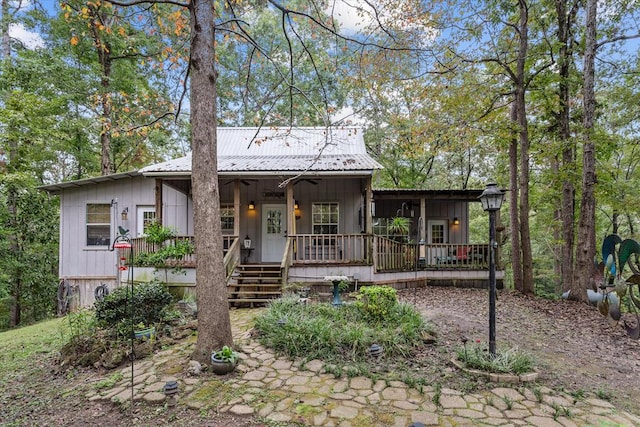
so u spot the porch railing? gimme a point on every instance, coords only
(232, 256)
(391, 255)
(331, 248)
(385, 254)
(140, 245)
(455, 255)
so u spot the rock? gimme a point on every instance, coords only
(194, 368)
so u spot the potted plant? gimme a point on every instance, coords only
(141, 331)
(399, 226)
(224, 360)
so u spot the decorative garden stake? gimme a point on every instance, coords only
(170, 391)
(282, 322)
(375, 350)
(491, 199)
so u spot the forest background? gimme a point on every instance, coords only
(539, 96)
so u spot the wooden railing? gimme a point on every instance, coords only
(140, 245)
(231, 258)
(286, 262)
(331, 249)
(455, 255)
(391, 255)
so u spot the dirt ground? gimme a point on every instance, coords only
(575, 348)
(573, 345)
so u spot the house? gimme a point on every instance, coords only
(297, 205)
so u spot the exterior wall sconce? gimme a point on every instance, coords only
(247, 242)
(456, 221)
(296, 205)
(124, 215)
(252, 205)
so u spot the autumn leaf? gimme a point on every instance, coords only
(74, 40)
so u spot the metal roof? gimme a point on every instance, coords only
(267, 151)
(285, 150)
(56, 188)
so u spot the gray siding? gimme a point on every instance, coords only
(76, 258)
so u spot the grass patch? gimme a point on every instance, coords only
(507, 361)
(19, 346)
(339, 336)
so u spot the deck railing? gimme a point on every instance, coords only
(385, 254)
(391, 255)
(331, 248)
(455, 255)
(140, 245)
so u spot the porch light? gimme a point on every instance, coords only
(252, 205)
(295, 204)
(456, 221)
(124, 215)
(491, 199)
(247, 242)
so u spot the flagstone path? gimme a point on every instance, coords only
(286, 393)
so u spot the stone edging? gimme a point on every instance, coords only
(497, 377)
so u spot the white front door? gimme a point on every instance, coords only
(437, 231)
(274, 233)
(145, 215)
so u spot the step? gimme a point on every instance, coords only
(278, 293)
(244, 283)
(251, 300)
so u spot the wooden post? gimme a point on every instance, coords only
(158, 192)
(368, 201)
(236, 208)
(291, 215)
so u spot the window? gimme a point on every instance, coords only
(98, 224)
(227, 216)
(325, 218)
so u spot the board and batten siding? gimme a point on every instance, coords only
(77, 260)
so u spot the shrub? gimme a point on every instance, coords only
(379, 302)
(149, 302)
(176, 251)
(338, 335)
(511, 361)
(156, 233)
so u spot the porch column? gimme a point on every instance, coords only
(291, 215)
(423, 215)
(158, 194)
(368, 201)
(236, 208)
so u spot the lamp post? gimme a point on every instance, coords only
(491, 199)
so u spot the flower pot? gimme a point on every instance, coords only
(221, 367)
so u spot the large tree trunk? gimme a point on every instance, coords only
(567, 210)
(523, 128)
(514, 222)
(586, 245)
(214, 325)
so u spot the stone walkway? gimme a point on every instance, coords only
(287, 393)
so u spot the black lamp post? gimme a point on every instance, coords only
(491, 199)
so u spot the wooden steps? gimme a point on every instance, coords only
(255, 284)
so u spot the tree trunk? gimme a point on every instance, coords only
(514, 222)
(586, 245)
(214, 325)
(523, 136)
(567, 210)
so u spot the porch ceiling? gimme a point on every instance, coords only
(403, 193)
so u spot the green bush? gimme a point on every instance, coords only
(149, 303)
(177, 251)
(379, 302)
(338, 335)
(156, 233)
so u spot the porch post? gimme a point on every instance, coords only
(423, 215)
(368, 214)
(291, 215)
(158, 194)
(236, 208)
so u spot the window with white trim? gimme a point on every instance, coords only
(227, 216)
(325, 218)
(98, 222)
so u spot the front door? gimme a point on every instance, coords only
(437, 235)
(274, 233)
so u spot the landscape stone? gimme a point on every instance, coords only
(341, 411)
(154, 397)
(394, 393)
(241, 410)
(451, 401)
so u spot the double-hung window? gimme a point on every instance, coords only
(98, 222)
(227, 216)
(325, 218)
